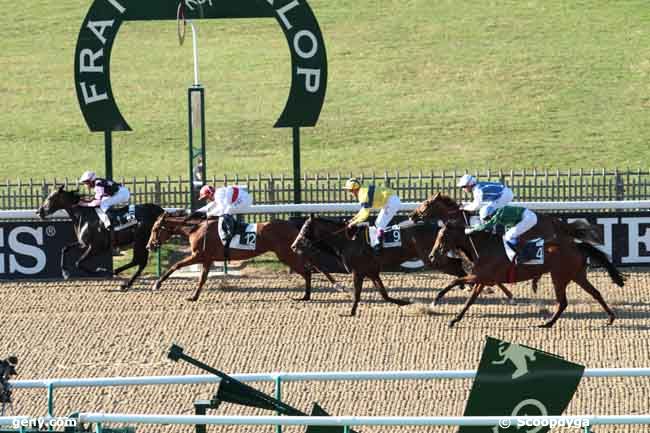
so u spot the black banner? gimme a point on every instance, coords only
(516, 380)
(32, 250)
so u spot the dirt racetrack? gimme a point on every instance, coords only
(89, 328)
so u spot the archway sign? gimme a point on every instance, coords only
(295, 17)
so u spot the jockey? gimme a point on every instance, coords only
(107, 194)
(515, 221)
(223, 203)
(494, 194)
(373, 197)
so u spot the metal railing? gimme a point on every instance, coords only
(531, 185)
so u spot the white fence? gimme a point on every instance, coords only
(51, 384)
(306, 208)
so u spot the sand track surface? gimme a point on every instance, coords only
(251, 324)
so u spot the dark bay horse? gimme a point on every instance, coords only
(206, 247)
(320, 235)
(94, 239)
(564, 259)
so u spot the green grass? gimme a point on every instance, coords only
(419, 84)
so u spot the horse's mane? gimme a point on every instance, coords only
(447, 201)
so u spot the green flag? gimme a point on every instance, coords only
(516, 380)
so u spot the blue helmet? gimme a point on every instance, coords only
(486, 212)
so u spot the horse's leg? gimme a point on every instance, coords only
(64, 250)
(457, 282)
(376, 280)
(581, 280)
(475, 292)
(189, 260)
(534, 284)
(559, 285)
(506, 292)
(88, 253)
(140, 258)
(358, 284)
(307, 276)
(202, 279)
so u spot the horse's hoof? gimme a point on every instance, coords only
(511, 301)
(489, 290)
(192, 299)
(545, 325)
(452, 323)
(124, 287)
(100, 269)
(340, 288)
(610, 321)
(304, 298)
(66, 275)
(155, 287)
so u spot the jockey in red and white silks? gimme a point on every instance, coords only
(107, 194)
(225, 201)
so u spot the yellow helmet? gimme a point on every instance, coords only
(352, 184)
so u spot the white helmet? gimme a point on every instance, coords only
(486, 212)
(88, 176)
(466, 180)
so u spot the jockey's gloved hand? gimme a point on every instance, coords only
(469, 231)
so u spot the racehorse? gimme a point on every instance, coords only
(94, 239)
(564, 259)
(320, 235)
(206, 247)
(445, 208)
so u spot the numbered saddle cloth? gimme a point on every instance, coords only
(245, 237)
(392, 236)
(531, 253)
(123, 217)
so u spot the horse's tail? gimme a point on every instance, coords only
(581, 230)
(601, 258)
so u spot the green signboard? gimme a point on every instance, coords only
(516, 380)
(99, 29)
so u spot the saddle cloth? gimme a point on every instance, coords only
(392, 236)
(532, 252)
(123, 217)
(245, 237)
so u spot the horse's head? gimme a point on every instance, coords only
(160, 233)
(438, 206)
(450, 238)
(57, 200)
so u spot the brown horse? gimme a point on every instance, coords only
(564, 259)
(206, 247)
(324, 236)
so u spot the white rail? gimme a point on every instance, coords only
(293, 377)
(353, 207)
(573, 420)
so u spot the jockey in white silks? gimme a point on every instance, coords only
(494, 194)
(373, 197)
(223, 203)
(107, 194)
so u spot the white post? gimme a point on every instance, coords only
(195, 49)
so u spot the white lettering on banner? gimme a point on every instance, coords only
(282, 12)
(87, 60)
(634, 239)
(117, 6)
(23, 249)
(312, 78)
(98, 27)
(27, 250)
(608, 234)
(93, 96)
(296, 44)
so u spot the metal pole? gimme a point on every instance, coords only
(108, 154)
(278, 396)
(191, 148)
(296, 165)
(50, 399)
(158, 266)
(195, 50)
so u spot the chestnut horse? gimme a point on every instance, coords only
(206, 247)
(564, 259)
(444, 208)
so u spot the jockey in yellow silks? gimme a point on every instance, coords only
(373, 197)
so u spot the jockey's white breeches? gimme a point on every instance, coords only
(528, 221)
(383, 218)
(121, 196)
